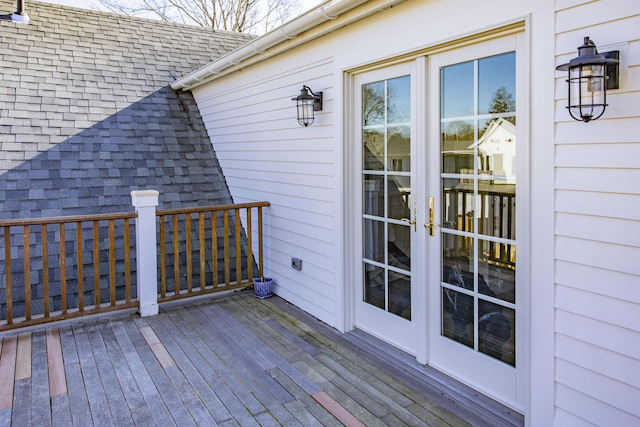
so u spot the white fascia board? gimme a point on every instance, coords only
(327, 11)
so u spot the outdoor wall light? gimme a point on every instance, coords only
(590, 75)
(306, 103)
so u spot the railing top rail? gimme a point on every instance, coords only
(160, 212)
(66, 219)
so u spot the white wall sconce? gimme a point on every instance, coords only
(306, 103)
(590, 75)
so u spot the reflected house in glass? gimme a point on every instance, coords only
(497, 151)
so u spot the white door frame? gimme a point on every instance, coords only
(420, 296)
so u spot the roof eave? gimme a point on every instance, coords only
(257, 48)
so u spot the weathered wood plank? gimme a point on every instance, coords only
(138, 409)
(261, 349)
(158, 375)
(97, 399)
(187, 393)
(57, 380)
(5, 417)
(76, 388)
(338, 411)
(244, 354)
(209, 365)
(195, 369)
(40, 393)
(160, 414)
(7, 370)
(240, 381)
(308, 411)
(60, 412)
(119, 412)
(23, 358)
(156, 346)
(21, 403)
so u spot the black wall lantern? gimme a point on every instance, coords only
(590, 75)
(306, 103)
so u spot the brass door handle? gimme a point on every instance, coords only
(431, 225)
(415, 214)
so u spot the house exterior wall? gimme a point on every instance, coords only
(581, 200)
(597, 227)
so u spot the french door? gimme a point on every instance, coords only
(386, 218)
(437, 166)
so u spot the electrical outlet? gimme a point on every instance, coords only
(296, 263)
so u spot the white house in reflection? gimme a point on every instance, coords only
(497, 151)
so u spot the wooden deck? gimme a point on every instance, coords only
(228, 361)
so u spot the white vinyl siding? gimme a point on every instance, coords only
(597, 228)
(267, 156)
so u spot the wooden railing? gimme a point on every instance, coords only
(58, 268)
(63, 267)
(201, 249)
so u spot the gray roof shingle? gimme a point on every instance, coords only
(86, 113)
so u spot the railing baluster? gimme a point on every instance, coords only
(80, 264)
(63, 271)
(238, 248)
(249, 246)
(227, 268)
(203, 255)
(214, 248)
(189, 244)
(45, 268)
(176, 257)
(27, 272)
(260, 247)
(7, 264)
(96, 264)
(127, 262)
(163, 260)
(112, 264)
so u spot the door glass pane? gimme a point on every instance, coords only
(400, 294)
(373, 190)
(496, 331)
(457, 146)
(373, 236)
(497, 84)
(374, 285)
(457, 316)
(398, 100)
(478, 181)
(457, 82)
(373, 149)
(386, 177)
(399, 242)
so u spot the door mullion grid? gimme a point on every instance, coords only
(476, 204)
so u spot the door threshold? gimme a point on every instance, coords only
(464, 401)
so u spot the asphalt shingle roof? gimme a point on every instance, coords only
(86, 113)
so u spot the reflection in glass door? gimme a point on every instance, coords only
(386, 189)
(478, 199)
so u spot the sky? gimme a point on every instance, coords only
(95, 4)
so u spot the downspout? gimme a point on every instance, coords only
(325, 12)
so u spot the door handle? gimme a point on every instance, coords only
(415, 214)
(431, 225)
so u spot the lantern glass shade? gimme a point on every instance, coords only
(305, 111)
(587, 95)
(306, 103)
(590, 75)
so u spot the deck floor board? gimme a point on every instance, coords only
(235, 361)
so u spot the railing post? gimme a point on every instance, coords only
(145, 203)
